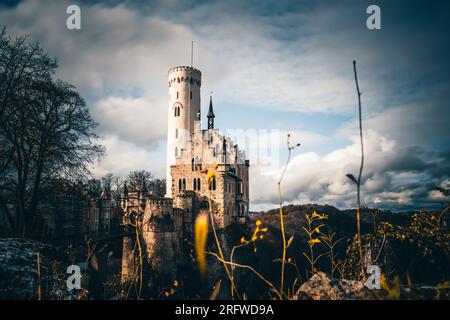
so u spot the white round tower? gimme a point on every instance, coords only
(184, 105)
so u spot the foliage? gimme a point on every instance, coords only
(314, 234)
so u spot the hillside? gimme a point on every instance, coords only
(405, 244)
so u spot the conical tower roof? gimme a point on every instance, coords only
(210, 110)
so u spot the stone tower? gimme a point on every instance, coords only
(184, 108)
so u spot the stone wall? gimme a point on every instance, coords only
(161, 236)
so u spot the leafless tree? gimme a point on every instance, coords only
(46, 131)
(143, 180)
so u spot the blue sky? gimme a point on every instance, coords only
(284, 66)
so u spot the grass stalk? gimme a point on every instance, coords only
(358, 181)
(39, 276)
(280, 204)
(219, 248)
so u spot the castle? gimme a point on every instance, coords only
(203, 167)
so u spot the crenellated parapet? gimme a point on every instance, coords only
(185, 74)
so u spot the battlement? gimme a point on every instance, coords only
(163, 202)
(185, 74)
(184, 69)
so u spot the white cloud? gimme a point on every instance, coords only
(388, 179)
(406, 125)
(135, 120)
(123, 157)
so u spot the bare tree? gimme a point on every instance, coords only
(46, 132)
(143, 180)
(22, 62)
(139, 180)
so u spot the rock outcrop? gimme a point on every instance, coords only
(19, 272)
(322, 287)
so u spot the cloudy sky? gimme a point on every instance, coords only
(274, 67)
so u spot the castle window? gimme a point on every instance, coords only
(184, 184)
(212, 184)
(191, 95)
(177, 93)
(192, 164)
(177, 111)
(179, 184)
(195, 184)
(176, 152)
(198, 184)
(176, 133)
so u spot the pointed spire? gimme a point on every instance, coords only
(210, 115)
(210, 111)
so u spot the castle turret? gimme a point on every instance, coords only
(184, 107)
(210, 115)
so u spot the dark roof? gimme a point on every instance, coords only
(233, 175)
(210, 110)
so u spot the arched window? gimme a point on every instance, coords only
(195, 184)
(176, 152)
(184, 183)
(177, 93)
(177, 111)
(198, 184)
(176, 133)
(179, 184)
(212, 184)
